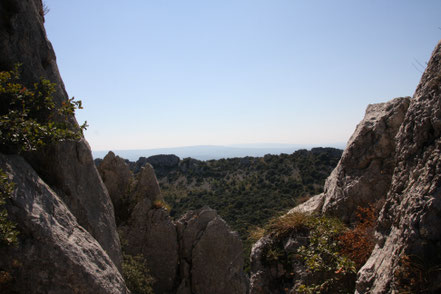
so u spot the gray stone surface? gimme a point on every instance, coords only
(54, 254)
(410, 220)
(151, 232)
(119, 181)
(312, 205)
(66, 167)
(147, 185)
(363, 175)
(211, 255)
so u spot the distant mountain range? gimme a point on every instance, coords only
(208, 152)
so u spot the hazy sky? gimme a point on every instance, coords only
(182, 72)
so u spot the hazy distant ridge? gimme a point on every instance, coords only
(207, 152)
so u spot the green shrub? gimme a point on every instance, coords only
(29, 118)
(137, 275)
(321, 254)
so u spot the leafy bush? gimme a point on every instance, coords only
(319, 251)
(323, 255)
(30, 119)
(137, 275)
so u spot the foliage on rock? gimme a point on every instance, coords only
(29, 118)
(317, 262)
(137, 275)
(8, 231)
(323, 255)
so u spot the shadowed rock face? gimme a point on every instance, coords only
(54, 253)
(66, 167)
(392, 161)
(210, 254)
(151, 232)
(147, 185)
(118, 179)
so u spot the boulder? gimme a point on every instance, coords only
(54, 253)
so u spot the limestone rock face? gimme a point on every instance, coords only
(118, 179)
(410, 220)
(144, 229)
(54, 254)
(147, 185)
(197, 254)
(151, 232)
(363, 175)
(211, 255)
(66, 167)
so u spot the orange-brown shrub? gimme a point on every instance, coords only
(358, 243)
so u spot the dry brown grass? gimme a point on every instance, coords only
(281, 227)
(256, 233)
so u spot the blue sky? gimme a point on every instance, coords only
(168, 73)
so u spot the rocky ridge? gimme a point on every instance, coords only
(391, 163)
(196, 254)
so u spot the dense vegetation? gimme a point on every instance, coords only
(136, 274)
(248, 191)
